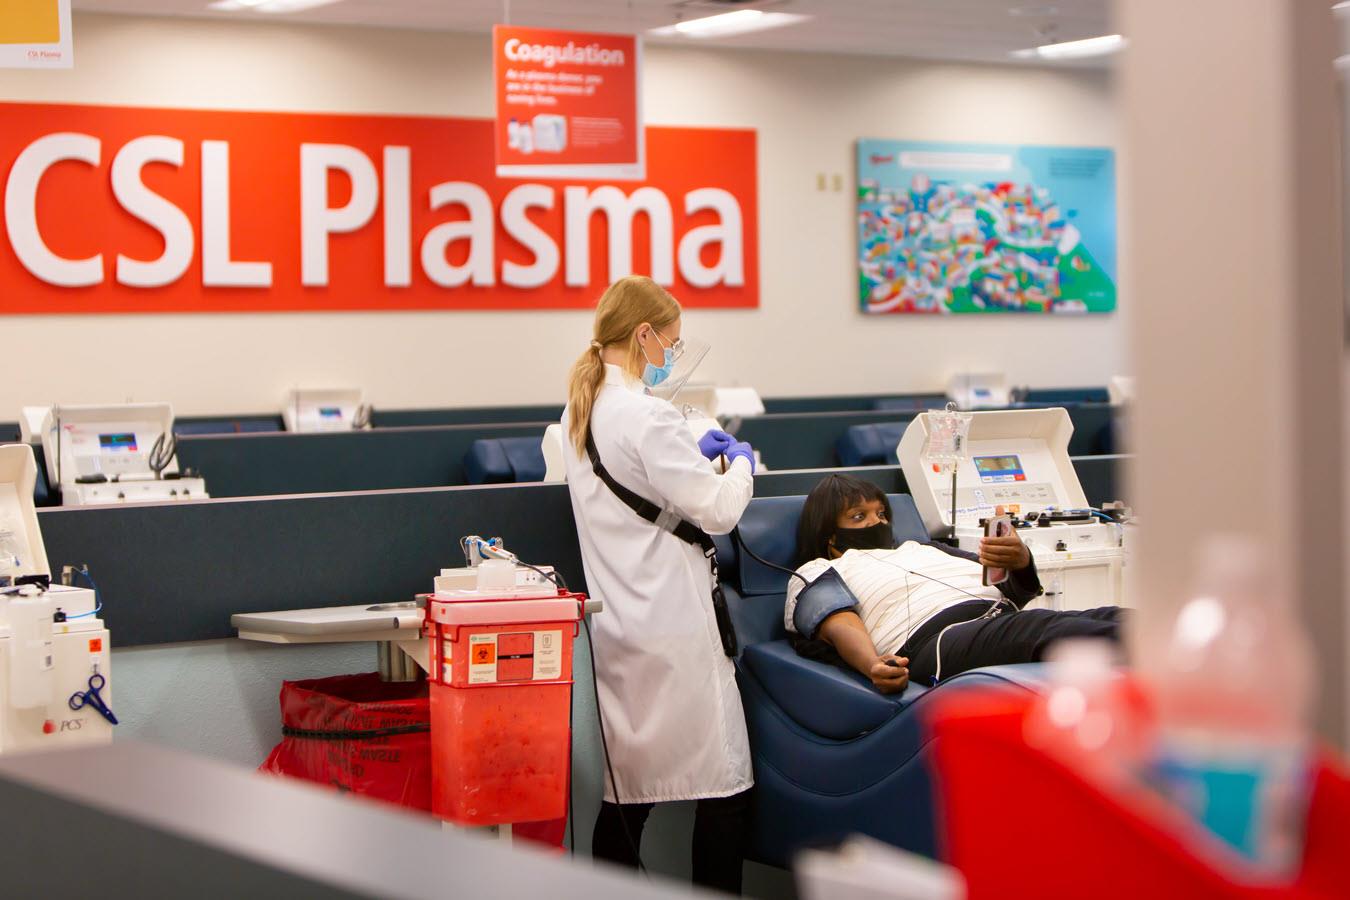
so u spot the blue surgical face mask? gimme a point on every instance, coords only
(654, 375)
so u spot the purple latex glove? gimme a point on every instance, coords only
(715, 443)
(741, 448)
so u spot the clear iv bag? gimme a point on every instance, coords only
(948, 435)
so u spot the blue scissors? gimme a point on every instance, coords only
(91, 697)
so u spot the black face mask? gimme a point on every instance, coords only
(873, 537)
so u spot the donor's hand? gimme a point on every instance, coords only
(1007, 552)
(889, 674)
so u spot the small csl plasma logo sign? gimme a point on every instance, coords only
(110, 210)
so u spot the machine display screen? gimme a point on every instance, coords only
(330, 412)
(995, 469)
(115, 442)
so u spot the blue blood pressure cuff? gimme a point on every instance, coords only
(819, 600)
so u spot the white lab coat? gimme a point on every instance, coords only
(672, 713)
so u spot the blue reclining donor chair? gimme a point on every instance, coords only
(832, 756)
(504, 460)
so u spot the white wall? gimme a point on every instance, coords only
(807, 337)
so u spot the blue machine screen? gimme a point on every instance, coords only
(117, 442)
(1000, 468)
(330, 412)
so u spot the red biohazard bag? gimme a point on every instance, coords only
(365, 736)
(358, 734)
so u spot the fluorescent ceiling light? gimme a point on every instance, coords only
(726, 24)
(267, 6)
(1098, 46)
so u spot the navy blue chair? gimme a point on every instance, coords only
(832, 756)
(870, 445)
(504, 460)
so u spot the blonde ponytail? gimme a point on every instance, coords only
(626, 304)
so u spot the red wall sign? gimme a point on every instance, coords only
(568, 104)
(114, 210)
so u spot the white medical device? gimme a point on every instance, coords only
(1121, 390)
(989, 390)
(325, 410)
(722, 403)
(1019, 459)
(31, 419)
(55, 662)
(121, 453)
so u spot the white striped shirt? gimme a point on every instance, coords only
(894, 597)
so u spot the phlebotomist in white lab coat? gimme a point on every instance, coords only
(670, 711)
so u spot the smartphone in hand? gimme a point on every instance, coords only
(997, 526)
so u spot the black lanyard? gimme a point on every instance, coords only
(685, 531)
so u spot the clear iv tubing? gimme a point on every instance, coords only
(98, 600)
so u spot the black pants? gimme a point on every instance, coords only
(719, 838)
(1011, 637)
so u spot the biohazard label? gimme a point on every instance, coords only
(482, 658)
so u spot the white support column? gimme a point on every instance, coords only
(1232, 216)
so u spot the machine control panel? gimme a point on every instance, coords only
(1000, 469)
(973, 502)
(109, 448)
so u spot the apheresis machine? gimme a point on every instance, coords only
(55, 671)
(121, 453)
(1018, 460)
(325, 410)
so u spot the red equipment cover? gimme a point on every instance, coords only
(1022, 825)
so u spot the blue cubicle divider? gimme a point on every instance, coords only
(1063, 395)
(9, 432)
(255, 465)
(241, 424)
(178, 571)
(806, 440)
(484, 415)
(853, 403)
(396, 418)
(251, 465)
(386, 418)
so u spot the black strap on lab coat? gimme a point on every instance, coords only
(682, 529)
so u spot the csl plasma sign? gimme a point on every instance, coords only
(116, 210)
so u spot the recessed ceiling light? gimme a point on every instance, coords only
(727, 24)
(1097, 46)
(267, 6)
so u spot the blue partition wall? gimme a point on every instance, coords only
(256, 465)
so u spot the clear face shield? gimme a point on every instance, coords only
(692, 351)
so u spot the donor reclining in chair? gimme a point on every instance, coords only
(918, 611)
